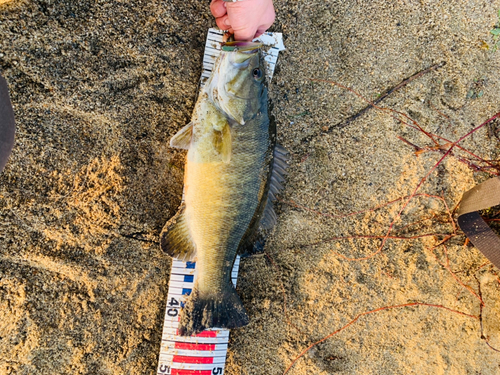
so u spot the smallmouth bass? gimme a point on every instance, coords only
(234, 169)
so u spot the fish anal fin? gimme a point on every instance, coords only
(182, 139)
(175, 239)
(253, 244)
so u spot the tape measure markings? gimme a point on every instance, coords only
(191, 372)
(194, 340)
(219, 333)
(215, 333)
(183, 361)
(209, 60)
(199, 352)
(189, 346)
(183, 270)
(196, 366)
(182, 278)
(181, 284)
(179, 294)
(179, 271)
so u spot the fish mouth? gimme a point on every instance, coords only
(244, 47)
(244, 51)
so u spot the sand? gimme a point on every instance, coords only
(99, 88)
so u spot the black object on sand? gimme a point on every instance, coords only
(7, 124)
(481, 197)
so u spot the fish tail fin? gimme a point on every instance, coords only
(208, 310)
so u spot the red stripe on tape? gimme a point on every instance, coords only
(189, 346)
(185, 359)
(191, 372)
(207, 334)
(202, 334)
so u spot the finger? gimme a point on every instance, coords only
(259, 32)
(223, 23)
(245, 34)
(218, 8)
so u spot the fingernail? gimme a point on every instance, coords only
(226, 22)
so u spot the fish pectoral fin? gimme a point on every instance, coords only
(175, 238)
(223, 142)
(183, 137)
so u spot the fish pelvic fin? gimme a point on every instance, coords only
(209, 310)
(175, 238)
(182, 139)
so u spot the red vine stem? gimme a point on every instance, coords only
(372, 312)
(421, 183)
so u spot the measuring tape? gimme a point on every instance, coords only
(204, 353)
(201, 354)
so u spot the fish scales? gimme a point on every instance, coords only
(221, 198)
(227, 179)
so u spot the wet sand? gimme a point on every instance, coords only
(99, 88)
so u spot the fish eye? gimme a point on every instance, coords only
(257, 73)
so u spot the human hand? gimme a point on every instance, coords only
(246, 19)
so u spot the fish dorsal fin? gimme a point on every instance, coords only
(223, 142)
(183, 137)
(265, 218)
(278, 173)
(175, 238)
